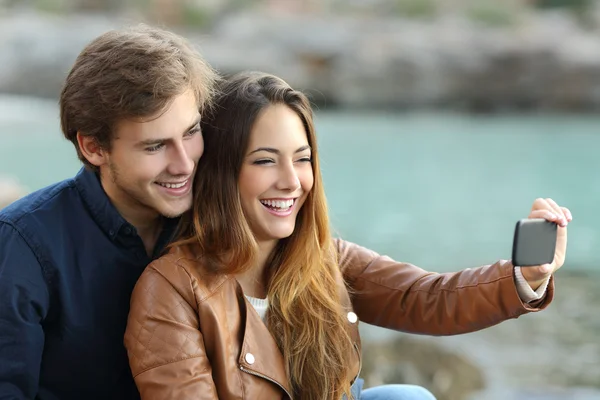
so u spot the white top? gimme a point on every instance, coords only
(260, 305)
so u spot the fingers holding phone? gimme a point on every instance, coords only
(550, 211)
(540, 242)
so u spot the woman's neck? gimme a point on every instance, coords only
(254, 279)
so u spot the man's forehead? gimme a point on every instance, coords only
(154, 129)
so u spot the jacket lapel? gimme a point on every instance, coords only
(260, 355)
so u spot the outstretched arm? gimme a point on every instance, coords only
(404, 297)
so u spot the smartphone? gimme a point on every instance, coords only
(534, 242)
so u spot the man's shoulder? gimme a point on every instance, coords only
(41, 202)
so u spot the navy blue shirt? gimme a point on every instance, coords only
(68, 265)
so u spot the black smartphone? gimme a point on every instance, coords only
(534, 242)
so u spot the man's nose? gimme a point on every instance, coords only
(181, 163)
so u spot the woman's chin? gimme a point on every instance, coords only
(283, 233)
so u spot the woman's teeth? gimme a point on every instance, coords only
(279, 204)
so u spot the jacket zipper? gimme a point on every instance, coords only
(265, 377)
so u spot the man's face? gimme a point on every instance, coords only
(150, 167)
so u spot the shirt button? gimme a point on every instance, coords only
(352, 317)
(128, 231)
(111, 232)
(249, 357)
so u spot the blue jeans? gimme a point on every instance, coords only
(390, 392)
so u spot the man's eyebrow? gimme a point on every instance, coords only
(276, 151)
(150, 142)
(193, 125)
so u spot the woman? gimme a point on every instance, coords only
(257, 301)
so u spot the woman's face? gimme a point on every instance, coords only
(276, 174)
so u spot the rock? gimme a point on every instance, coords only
(10, 190)
(38, 51)
(545, 62)
(449, 376)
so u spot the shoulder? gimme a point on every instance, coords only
(36, 220)
(25, 220)
(347, 251)
(183, 271)
(41, 203)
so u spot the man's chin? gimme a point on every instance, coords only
(171, 215)
(173, 212)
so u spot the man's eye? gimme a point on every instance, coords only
(155, 148)
(194, 130)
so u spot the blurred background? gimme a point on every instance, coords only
(440, 122)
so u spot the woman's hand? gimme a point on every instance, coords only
(550, 211)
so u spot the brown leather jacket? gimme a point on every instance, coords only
(193, 335)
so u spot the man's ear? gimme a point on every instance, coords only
(91, 150)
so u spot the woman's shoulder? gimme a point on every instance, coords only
(345, 249)
(183, 269)
(176, 261)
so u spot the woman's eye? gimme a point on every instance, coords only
(263, 161)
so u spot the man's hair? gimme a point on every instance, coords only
(130, 73)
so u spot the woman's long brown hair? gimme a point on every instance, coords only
(305, 315)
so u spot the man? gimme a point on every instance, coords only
(71, 253)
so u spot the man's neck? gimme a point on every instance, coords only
(149, 233)
(147, 222)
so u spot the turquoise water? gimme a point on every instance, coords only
(442, 191)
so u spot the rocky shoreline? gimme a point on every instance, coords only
(547, 62)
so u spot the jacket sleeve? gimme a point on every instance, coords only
(24, 303)
(163, 339)
(403, 297)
